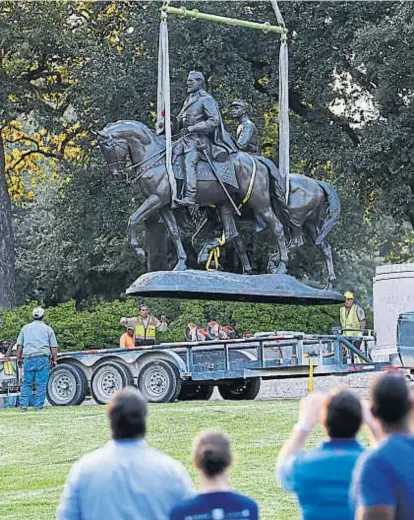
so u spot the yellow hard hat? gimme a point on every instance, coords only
(350, 295)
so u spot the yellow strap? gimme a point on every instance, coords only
(250, 189)
(214, 254)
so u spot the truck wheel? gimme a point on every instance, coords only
(108, 378)
(240, 389)
(159, 381)
(67, 385)
(200, 392)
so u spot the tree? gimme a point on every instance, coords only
(85, 64)
(33, 82)
(7, 266)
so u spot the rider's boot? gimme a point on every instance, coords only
(190, 191)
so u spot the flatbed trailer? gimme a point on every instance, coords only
(191, 370)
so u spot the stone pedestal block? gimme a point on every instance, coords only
(393, 294)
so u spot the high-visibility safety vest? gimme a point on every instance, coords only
(350, 322)
(145, 335)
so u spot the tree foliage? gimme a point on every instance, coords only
(75, 66)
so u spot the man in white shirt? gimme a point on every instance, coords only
(125, 479)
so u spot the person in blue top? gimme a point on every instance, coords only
(212, 458)
(320, 477)
(36, 353)
(383, 480)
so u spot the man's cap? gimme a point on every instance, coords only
(238, 103)
(38, 312)
(349, 295)
(197, 75)
(130, 328)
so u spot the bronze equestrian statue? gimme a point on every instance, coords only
(314, 206)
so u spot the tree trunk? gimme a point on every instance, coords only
(7, 254)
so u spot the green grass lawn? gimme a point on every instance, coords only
(38, 449)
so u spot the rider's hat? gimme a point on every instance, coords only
(238, 103)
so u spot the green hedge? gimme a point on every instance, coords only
(98, 325)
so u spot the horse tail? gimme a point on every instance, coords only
(277, 192)
(333, 211)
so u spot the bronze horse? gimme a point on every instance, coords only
(313, 205)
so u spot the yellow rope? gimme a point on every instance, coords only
(214, 254)
(250, 189)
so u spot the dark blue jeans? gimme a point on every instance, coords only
(36, 370)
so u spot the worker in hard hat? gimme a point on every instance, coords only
(352, 317)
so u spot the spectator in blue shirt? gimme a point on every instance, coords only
(36, 351)
(383, 481)
(212, 458)
(125, 479)
(320, 477)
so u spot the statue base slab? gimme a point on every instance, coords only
(216, 285)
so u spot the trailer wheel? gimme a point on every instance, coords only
(200, 392)
(128, 374)
(108, 378)
(67, 386)
(159, 381)
(240, 389)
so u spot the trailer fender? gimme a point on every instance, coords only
(80, 360)
(86, 368)
(167, 355)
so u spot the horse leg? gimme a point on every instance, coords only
(232, 235)
(151, 204)
(171, 224)
(327, 253)
(276, 227)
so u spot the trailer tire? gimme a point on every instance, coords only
(129, 378)
(159, 381)
(200, 392)
(240, 389)
(67, 385)
(107, 379)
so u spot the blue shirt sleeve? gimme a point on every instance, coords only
(52, 338)
(20, 339)
(69, 507)
(372, 483)
(285, 473)
(177, 513)
(254, 511)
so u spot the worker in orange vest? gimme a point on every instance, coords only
(127, 339)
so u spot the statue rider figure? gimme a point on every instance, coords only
(247, 135)
(201, 119)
